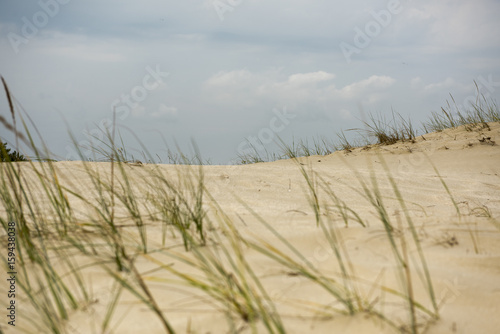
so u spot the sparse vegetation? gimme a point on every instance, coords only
(378, 130)
(473, 117)
(387, 132)
(64, 236)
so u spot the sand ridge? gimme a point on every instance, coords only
(462, 252)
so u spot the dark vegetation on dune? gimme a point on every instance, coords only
(7, 156)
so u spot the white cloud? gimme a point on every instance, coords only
(229, 78)
(84, 53)
(416, 82)
(447, 83)
(77, 47)
(165, 112)
(360, 88)
(138, 111)
(418, 14)
(309, 78)
(458, 24)
(298, 88)
(313, 89)
(346, 114)
(190, 37)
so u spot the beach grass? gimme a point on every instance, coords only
(59, 244)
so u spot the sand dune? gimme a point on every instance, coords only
(462, 251)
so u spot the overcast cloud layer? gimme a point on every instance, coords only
(223, 71)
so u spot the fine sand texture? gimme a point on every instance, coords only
(272, 243)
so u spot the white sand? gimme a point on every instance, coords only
(466, 283)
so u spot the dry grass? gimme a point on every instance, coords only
(51, 237)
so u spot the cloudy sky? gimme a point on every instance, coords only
(221, 72)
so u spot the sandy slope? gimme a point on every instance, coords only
(467, 283)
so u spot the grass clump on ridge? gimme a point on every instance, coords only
(475, 117)
(380, 130)
(387, 132)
